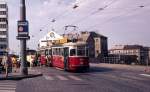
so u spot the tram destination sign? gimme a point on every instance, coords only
(23, 30)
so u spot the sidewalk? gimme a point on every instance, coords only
(32, 72)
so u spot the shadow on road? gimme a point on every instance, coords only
(99, 69)
(96, 70)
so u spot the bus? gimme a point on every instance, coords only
(70, 56)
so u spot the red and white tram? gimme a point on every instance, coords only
(70, 56)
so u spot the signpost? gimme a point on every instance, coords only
(23, 35)
(23, 30)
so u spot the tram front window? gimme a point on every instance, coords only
(73, 52)
(81, 51)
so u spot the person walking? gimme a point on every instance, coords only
(8, 65)
(1, 66)
(14, 61)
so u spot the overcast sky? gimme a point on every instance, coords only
(122, 21)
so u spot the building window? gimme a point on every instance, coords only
(3, 6)
(3, 39)
(3, 19)
(96, 40)
(3, 26)
(3, 46)
(97, 51)
(3, 32)
(3, 12)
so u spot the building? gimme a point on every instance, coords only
(49, 39)
(120, 59)
(97, 43)
(3, 29)
(132, 50)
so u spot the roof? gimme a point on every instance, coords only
(126, 47)
(95, 34)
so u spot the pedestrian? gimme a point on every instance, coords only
(49, 60)
(14, 61)
(8, 65)
(1, 66)
(38, 60)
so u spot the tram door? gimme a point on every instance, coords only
(66, 55)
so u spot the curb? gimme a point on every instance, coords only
(20, 77)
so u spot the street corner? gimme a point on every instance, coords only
(17, 75)
(20, 77)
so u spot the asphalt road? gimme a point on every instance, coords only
(98, 79)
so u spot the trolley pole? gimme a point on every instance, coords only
(23, 36)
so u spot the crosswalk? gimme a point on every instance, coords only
(62, 77)
(8, 86)
(146, 75)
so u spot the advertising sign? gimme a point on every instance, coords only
(23, 30)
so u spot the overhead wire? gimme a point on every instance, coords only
(57, 17)
(94, 12)
(65, 12)
(116, 17)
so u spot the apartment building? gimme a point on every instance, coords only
(140, 51)
(3, 29)
(98, 44)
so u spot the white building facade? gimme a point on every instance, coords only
(48, 39)
(3, 29)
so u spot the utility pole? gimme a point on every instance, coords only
(23, 36)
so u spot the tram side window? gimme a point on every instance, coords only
(54, 51)
(50, 52)
(62, 51)
(81, 51)
(46, 52)
(57, 51)
(73, 52)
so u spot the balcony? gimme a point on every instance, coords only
(3, 22)
(3, 29)
(3, 36)
(3, 16)
(3, 9)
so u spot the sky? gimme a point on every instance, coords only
(122, 21)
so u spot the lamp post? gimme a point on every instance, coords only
(23, 36)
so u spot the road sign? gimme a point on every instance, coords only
(23, 30)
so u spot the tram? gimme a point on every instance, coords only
(70, 56)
